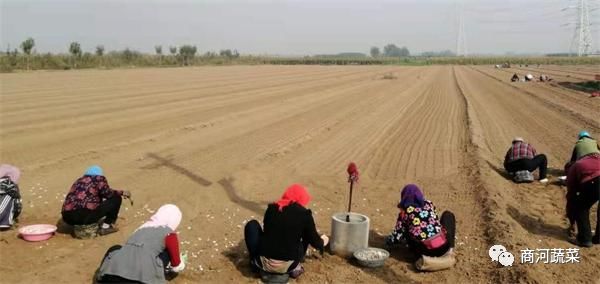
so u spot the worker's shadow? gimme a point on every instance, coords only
(63, 228)
(167, 162)
(386, 273)
(226, 183)
(556, 172)
(500, 171)
(238, 256)
(536, 225)
(399, 252)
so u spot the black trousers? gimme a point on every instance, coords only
(109, 209)
(588, 196)
(252, 235)
(540, 161)
(448, 222)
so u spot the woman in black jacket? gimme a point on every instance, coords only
(289, 228)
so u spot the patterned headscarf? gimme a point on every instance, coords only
(411, 196)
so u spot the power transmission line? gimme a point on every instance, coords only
(582, 36)
(461, 40)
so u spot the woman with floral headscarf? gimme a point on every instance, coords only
(150, 255)
(289, 228)
(418, 224)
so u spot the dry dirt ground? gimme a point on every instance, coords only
(222, 142)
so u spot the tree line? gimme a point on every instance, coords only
(188, 55)
(390, 50)
(77, 58)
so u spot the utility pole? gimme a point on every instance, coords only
(461, 41)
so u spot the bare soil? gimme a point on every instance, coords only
(223, 142)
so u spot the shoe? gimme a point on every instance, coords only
(106, 231)
(596, 240)
(576, 242)
(544, 180)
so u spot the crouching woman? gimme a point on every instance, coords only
(289, 228)
(10, 196)
(420, 226)
(150, 255)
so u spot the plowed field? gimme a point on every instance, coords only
(223, 142)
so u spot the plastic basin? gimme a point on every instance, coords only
(38, 232)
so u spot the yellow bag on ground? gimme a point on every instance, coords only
(429, 263)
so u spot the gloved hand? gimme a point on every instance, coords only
(325, 239)
(183, 257)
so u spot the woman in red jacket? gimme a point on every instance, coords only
(583, 191)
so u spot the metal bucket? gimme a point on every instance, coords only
(348, 237)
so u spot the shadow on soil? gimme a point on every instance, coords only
(386, 273)
(587, 87)
(550, 171)
(63, 228)
(238, 255)
(166, 162)
(556, 172)
(536, 225)
(226, 183)
(500, 171)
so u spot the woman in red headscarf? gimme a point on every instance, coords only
(289, 228)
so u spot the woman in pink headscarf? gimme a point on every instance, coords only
(150, 255)
(10, 196)
(289, 228)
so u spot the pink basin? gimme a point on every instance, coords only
(38, 232)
